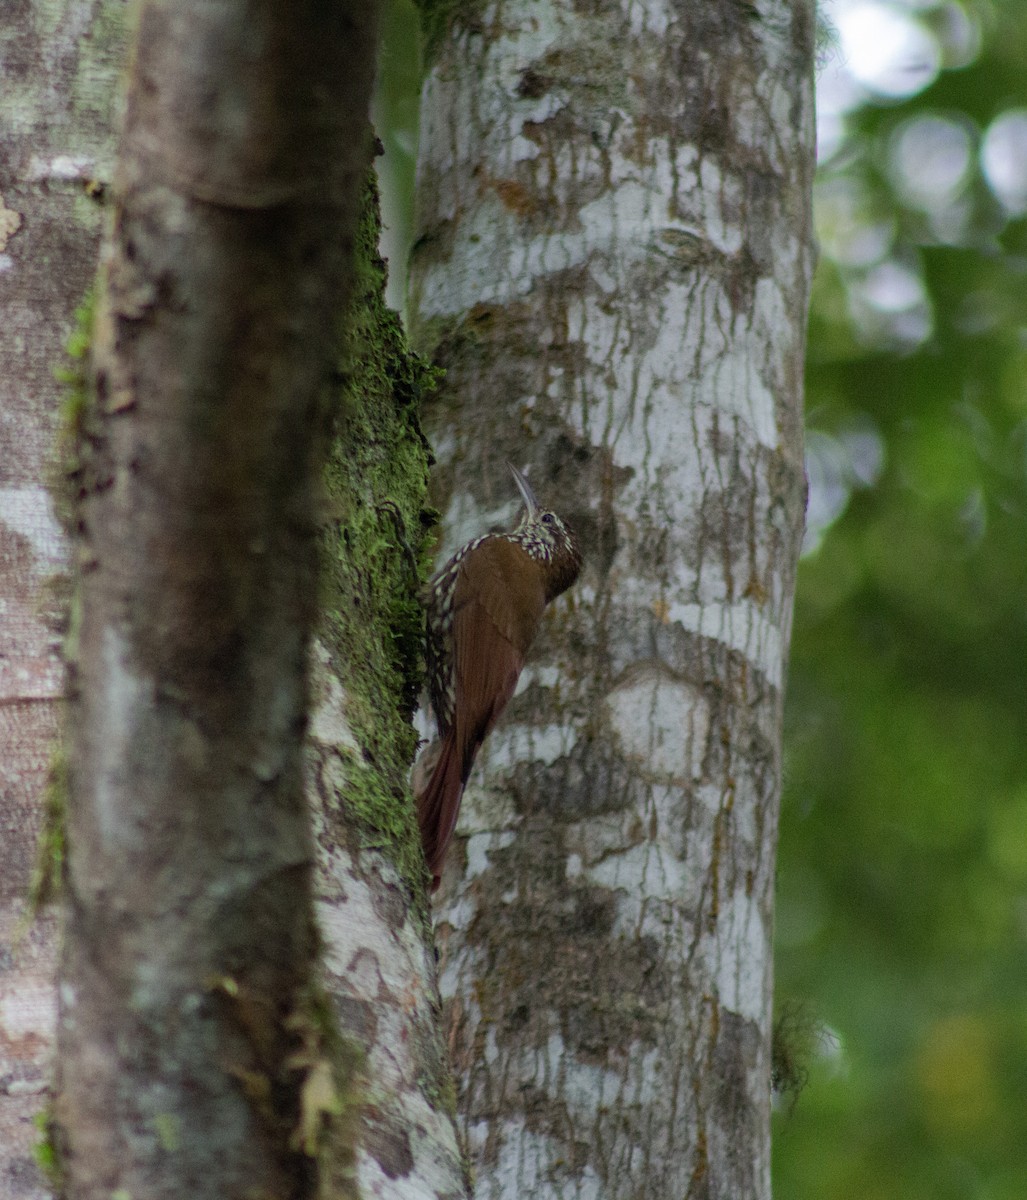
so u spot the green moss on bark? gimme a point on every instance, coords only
(58, 599)
(376, 553)
(68, 460)
(438, 17)
(48, 872)
(45, 1150)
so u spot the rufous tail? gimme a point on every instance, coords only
(438, 806)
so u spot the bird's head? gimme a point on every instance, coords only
(548, 539)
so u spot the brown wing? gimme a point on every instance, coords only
(497, 604)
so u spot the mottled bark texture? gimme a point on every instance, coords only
(59, 60)
(613, 264)
(193, 1060)
(370, 881)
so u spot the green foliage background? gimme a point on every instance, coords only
(902, 895)
(902, 880)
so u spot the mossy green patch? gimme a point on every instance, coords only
(60, 602)
(438, 17)
(48, 870)
(376, 551)
(45, 1152)
(68, 459)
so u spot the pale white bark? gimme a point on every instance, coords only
(380, 972)
(613, 263)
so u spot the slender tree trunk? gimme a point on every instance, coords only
(193, 1058)
(371, 900)
(612, 261)
(369, 884)
(60, 65)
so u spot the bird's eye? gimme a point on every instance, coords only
(547, 518)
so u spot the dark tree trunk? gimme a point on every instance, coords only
(188, 1023)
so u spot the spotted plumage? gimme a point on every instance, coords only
(483, 610)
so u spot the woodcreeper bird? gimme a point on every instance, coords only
(483, 611)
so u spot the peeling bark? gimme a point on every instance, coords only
(612, 262)
(189, 1019)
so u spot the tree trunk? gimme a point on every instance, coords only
(60, 65)
(612, 262)
(193, 1054)
(378, 966)
(372, 904)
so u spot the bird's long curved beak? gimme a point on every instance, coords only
(530, 502)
